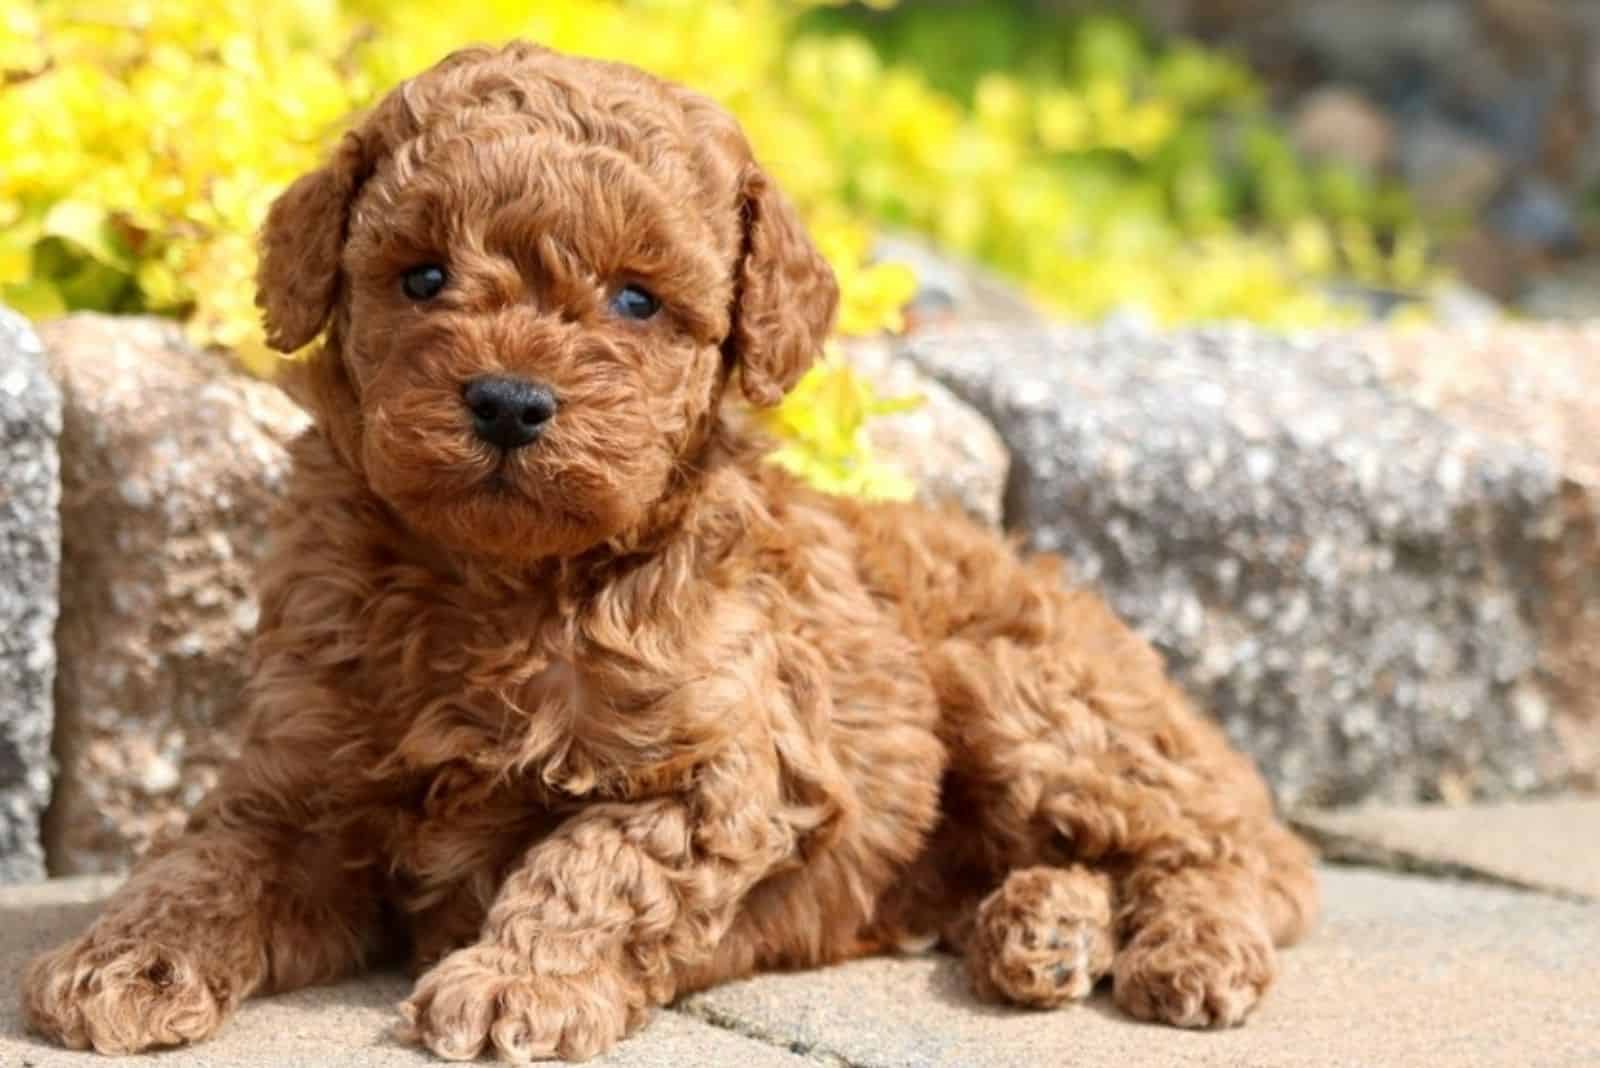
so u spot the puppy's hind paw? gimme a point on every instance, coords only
(1199, 972)
(480, 998)
(1043, 939)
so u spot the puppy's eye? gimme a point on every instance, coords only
(635, 302)
(423, 282)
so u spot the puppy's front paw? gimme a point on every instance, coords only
(1194, 971)
(483, 996)
(119, 996)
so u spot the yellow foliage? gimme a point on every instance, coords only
(823, 426)
(142, 140)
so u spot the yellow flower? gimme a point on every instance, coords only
(822, 424)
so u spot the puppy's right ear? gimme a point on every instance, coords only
(297, 284)
(297, 281)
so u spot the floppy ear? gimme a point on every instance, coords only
(297, 281)
(297, 284)
(786, 298)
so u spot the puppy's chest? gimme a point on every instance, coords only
(472, 708)
(479, 658)
(500, 689)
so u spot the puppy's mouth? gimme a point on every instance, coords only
(505, 476)
(499, 482)
(506, 484)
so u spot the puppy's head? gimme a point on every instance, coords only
(534, 274)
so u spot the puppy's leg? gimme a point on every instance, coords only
(591, 930)
(255, 894)
(1042, 939)
(1197, 951)
(1074, 750)
(1289, 884)
(231, 907)
(1205, 879)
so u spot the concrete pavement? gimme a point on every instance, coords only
(1404, 970)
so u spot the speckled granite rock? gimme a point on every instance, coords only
(1538, 385)
(170, 464)
(30, 557)
(950, 451)
(1350, 582)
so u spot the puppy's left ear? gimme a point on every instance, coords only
(787, 295)
(298, 277)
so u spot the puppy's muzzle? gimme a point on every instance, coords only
(507, 412)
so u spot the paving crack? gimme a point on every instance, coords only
(727, 1021)
(1357, 851)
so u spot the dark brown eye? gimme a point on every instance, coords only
(423, 282)
(635, 302)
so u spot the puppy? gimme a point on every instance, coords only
(565, 695)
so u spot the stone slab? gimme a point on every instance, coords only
(945, 447)
(1549, 845)
(30, 560)
(171, 462)
(1402, 971)
(342, 1026)
(1360, 588)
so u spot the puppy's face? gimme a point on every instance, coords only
(534, 333)
(543, 272)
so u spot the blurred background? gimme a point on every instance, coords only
(1360, 519)
(1284, 162)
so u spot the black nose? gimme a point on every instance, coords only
(508, 412)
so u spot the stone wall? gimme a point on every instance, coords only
(171, 461)
(1379, 598)
(1374, 556)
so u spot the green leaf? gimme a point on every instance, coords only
(88, 226)
(35, 298)
(1108, 47)
(95, 286)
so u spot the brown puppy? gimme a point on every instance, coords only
(563, 692)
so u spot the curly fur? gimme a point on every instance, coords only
(628, 712)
